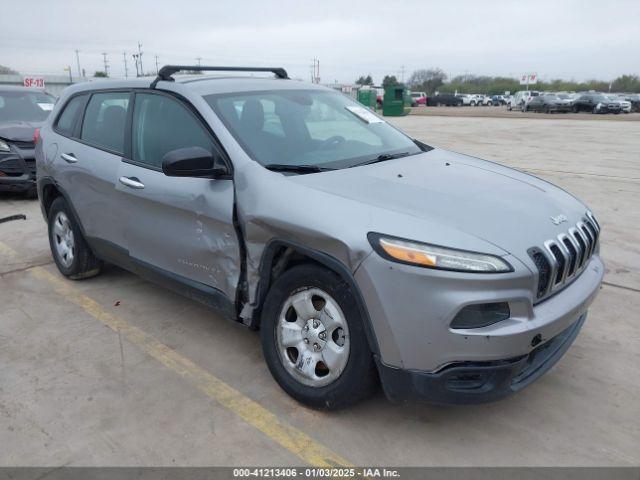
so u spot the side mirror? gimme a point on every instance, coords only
(194, 162)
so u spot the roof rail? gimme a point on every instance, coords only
(168, 70)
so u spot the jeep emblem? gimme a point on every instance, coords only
(557, 220)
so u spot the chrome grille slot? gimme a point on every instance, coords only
(560, 261)
(588, 237)
(573, 254)
(582, 245)
(564, 258)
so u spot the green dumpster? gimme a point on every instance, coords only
(368, 97)
(394, 101)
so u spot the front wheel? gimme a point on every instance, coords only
(314, 341)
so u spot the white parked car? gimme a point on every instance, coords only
(466, 98)
(521, 98)
(625, 105)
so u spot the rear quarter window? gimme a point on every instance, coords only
(105, 119)
(70, 114)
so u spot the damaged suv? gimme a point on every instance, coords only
(363, 256)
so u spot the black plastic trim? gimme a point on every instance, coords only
(477, 382)
(168, 70)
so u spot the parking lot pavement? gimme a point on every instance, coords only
(117, 371)
(502, 112)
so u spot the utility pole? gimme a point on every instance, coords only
(135, 60)
(140, 59)
(315, 71)
(156, 57)
(402, 74)
(78, 62)
(124, 59)
(198, 59)
(106, 64)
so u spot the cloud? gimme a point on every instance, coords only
(579, 39)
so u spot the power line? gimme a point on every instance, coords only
(199, 59)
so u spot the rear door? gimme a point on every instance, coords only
(180, 226)
(89, 157)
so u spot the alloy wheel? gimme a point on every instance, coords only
(63, 239)
(312, 337)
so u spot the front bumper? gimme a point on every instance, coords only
(17, 171)
(411, 309)
(477, 382)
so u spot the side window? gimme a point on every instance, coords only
(105, 119)
(162, 124)
(72, 110)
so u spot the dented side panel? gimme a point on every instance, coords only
(184, 226)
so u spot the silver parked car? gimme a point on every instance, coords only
(362, 255)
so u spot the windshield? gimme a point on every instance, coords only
(21, 106)
(307, 127)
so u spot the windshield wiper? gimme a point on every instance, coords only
(282, 167)
(382, 158)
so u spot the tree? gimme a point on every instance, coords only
(389, 81)
(364, 80)
(626, 83)
(428, 80)
(7, 70)
(100, 74)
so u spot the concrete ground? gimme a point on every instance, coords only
(117, 371)
(502, 112)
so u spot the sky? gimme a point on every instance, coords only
(577, 40)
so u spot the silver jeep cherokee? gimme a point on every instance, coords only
(362, 255)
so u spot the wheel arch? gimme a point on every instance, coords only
(48, 191)
(281, 255)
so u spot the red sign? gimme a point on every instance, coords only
(33, 82)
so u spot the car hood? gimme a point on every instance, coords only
(18, 131)
(458, 193)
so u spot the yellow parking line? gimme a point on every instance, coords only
(7, 251)
(289, 437)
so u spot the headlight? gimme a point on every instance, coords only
(433, 256)
(4, 146)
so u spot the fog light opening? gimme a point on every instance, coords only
(481, 315)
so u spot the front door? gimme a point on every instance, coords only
(182, 226)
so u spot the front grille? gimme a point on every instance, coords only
(12, 167)
(563, 258)
(24, 145)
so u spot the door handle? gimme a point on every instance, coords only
(69, 157)
(131, 182)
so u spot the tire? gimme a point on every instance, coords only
(595, 110)
(322, 387)
(69, 249)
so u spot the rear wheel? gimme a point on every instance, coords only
(70, 251)
(313, 339)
